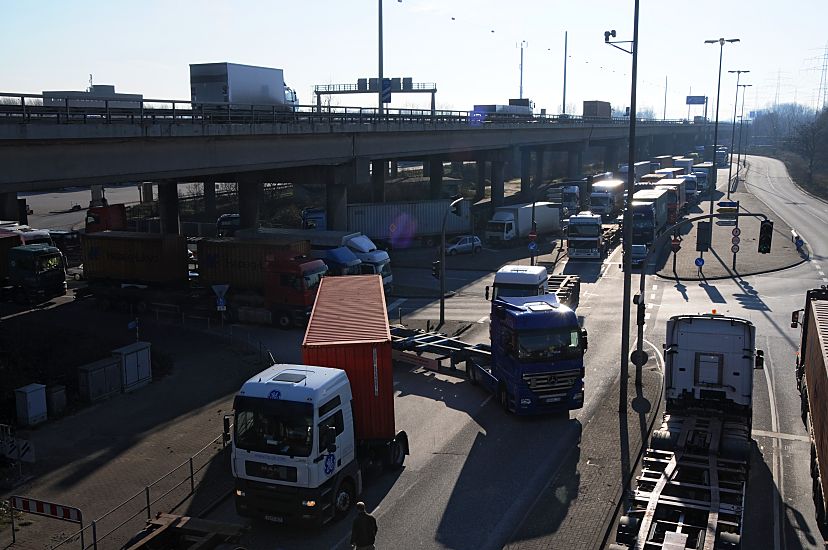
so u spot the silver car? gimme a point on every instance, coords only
(464, 244)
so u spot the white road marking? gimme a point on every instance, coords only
(821, 273)
(825, 279)
(776, 463)
(396, 303)
(483, 404)
(655, 287)
(483, 319)
(777, 435)
(652, 296)
(649, 306)
(646, 315)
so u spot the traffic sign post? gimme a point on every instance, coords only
(533, 235)
(533, 246)
(735, 232)
(386, 90)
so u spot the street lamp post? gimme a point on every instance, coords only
(451, 208)
(627, 224)
(733, 132)
(379, 80)
(721, 43)
(741, 122)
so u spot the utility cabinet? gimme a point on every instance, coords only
(136, 365)
(31, 404)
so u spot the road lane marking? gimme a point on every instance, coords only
(397, 303)
(776, 460)
(483, 319)
(652, 296)
(825, 279)
(777, 435)
(821, 273)
(646, 315)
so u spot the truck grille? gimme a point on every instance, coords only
(552, 383)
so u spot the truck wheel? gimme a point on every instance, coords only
(344, 498)
(627, 530)
(284, 320)
(662, 440)
(396, 456)
(473, 374)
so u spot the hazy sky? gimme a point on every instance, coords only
(145, 47)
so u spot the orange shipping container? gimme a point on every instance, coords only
(348, 330)
(240, 263)
(135, 257)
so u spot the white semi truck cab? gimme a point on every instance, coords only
(294, 452)
(519, 280)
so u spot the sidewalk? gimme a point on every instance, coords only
(108, 452)
(719, 260)
(575, 511)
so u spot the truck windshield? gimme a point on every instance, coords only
(599, 200)
(273, 426)
(577, 245)
(48, 263)
(578, 230)
(501, 290)
(642, 222)
(312, 278)
(534, 345)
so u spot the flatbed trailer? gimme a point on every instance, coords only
(691, 490)
(566, 288)
(175, 532)
(409, 345)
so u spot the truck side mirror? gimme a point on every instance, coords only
(487, 293)
(584, 338)
(794, 319)
(330, 439)
(760, 359)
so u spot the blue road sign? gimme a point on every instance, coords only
(699, 262)
(799, 243)
(728, 204)
(132, 325)
(533, 246)
(695, 100)
(386, 90)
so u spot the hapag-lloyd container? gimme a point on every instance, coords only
(348, 330)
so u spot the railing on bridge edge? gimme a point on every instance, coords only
(30, 108)
(148, 500)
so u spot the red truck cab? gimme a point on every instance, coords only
(102, 218)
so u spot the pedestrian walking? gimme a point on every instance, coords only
(364, 529)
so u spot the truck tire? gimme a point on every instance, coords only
(627, 531)
(344, 498)
(284, 319)
(663, 440)
(396, 456)
(472, 374)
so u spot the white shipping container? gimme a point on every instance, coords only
(400, 222)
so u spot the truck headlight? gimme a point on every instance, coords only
(240, 493)
(309, 503)
(525, 401)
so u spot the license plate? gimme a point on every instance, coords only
(552, 399)
(275, 519)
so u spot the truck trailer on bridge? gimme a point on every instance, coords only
(223, 86)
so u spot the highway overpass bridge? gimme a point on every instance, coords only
(168, 143)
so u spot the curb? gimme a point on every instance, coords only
(723, 277)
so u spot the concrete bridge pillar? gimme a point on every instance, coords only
(8, 207)
(251, 193)
(336, 197)
(98, 198)
(435, 178)
(480, 188)
(168, 207)
(362, 171)
(395, 170)
(210, 198)
(146, 193)
(378, 169)
(539, 156)
(525, 172)
(426, 169)
(574, 163)
(497, 183)
(611, 157)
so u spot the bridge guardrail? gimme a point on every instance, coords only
(33, 108)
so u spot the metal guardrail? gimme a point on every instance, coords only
(153, 495)
(33, 109)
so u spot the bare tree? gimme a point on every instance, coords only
(810, 140)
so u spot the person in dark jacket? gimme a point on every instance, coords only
(364, 529)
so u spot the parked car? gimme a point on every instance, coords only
(464, 244)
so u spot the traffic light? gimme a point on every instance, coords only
(435, 269)
(704, 232)
(765, 237)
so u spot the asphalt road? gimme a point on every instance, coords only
(52, 209)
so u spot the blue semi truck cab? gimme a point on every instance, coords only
(536, 364)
